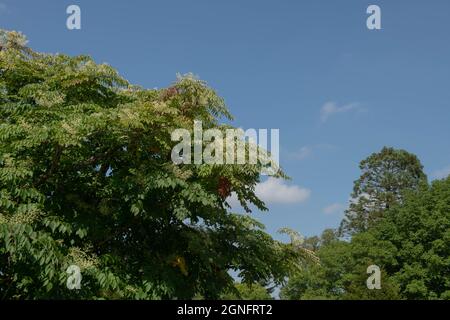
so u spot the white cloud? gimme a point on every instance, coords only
(334, 208)
(442, 173)
(277, 191)
(309, 151)
(331, 108)
(273, 191)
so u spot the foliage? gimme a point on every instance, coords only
(244, 291)
(411, 246)
(420, 232)
(86, 178)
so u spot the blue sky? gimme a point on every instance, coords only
(336, 90)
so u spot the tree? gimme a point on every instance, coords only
(342, 272)
(86, 178)
(410, 246)
(419, 229)
(315, 242)
(243, 291)
(385, 177)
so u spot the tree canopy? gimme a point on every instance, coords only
(254, 291)
(385, 176)
(410, 244)
(86, 178)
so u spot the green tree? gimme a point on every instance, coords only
(419, 229)
(410, 245)
(242, 291)
(386, 175)
(86, 178)
(342, 272)
(315, 242)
